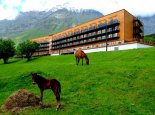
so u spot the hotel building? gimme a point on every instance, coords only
(116, 31)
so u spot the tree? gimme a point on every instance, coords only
(7, 49)
(27, 48)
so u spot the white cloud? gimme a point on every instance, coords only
(8, 13)
(8, 8)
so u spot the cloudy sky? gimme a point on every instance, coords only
(9, 9)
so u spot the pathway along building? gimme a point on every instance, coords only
(115, 31)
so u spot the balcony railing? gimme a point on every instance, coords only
(75, 43)
(112, 31)
(112, 23)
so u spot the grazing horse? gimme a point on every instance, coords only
(79, 54)
(47, 84)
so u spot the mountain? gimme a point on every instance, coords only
(28, 25)
(149, 24)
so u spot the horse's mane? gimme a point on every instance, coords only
(41, 79)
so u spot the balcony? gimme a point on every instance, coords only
(88, 40)
(112, 23)
(44, 42)
(137, 20)
(102, 25)
(43, 49)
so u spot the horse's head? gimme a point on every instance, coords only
(34, 76)
(87, 61)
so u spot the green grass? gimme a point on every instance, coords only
(116, 82)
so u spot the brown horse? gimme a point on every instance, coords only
(79, 54)
(47, 84)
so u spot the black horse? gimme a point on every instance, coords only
(47, 84)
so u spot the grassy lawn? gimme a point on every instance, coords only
(116, 82)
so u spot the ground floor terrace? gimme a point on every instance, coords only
(101, 47)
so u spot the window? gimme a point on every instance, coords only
(78, 37)
(99, 38)
(74, 38)
(115, 21)
(93, 39)
(115, 35)
(110, 36)
(92, 27)
(104, 31)
(81, 41)
(110, 22)
(85, 35)
(101, 25)
(103, 37)
(99, 32)
(93, 33)
(109, 29)
(81, 36)
(70, 33)
(89, 40)
(89, 34)
(116, 28)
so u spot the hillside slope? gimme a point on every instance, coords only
(150, 37)
(116, 82)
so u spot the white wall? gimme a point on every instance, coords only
(120, 47)
(112, 48)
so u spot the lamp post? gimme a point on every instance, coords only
(106, 40)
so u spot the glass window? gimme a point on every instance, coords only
(116, 28)
(81, 36)
(89, 34)
(81, 41)
(89, 40)
(103, 37)
(93, 33)
(115, 21)
(115, 34)
(74, 38)
(110, 36)
(99, 38)
(78, 37)
(99, 32)
(109, 29)
(110, 22)
(93, 39)
(104, 31)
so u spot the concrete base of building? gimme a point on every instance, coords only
(126, 46)
(119, 47)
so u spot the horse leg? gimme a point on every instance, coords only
(57, 94)
(82, 61)
(78, 60)
(41, 96)
(58, 100)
